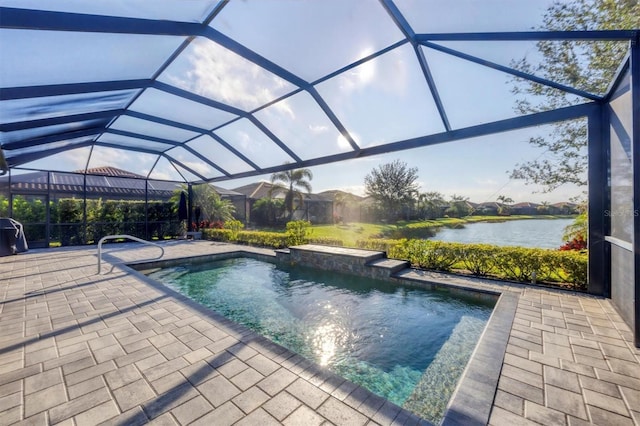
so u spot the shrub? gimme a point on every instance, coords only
(380, 244)
(517, 263)
(235, 226)
(327, 241)
(253, 238)
(297, 231)
(431, 254)
(512, 263)
(574, 266)
(479, 258)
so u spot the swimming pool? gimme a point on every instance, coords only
(406, 344)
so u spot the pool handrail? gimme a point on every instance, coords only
(130, 237)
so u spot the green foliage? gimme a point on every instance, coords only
(393, 186)
(511, 263)
(587, 65)
(519, 264)
(253, 238)
(274, 240)
(290, 181)
(327, 241)
(109, 217)
(297, 232)
(266, 210)
(410, 230)
(391, 247)
(579, 229)
(69, 216)
(479, 259)
(574, 267)
(29, 210)
(430, 204)
(430, 254)
(235, 226)
(458, 207)
(212, 207)
(4, 206)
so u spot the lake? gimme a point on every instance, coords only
(541, 233)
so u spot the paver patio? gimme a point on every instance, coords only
(81, 348)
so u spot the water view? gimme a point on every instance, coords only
(540, 233)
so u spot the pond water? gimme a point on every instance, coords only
(541, 233)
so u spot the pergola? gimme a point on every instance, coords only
(207, 91)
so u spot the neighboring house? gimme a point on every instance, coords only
(316, 208)
(490, 208)
(105, 182)
(346, 206)
(525, 208)
(564, 208)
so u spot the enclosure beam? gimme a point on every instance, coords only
(599, 269)
(512, 71)
(32, 156)
(28, 92)
(531, 35)
(532, 120)
(635, 143)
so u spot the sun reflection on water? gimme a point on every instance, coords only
(329, 336)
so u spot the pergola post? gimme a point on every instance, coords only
(599, 281)
(190, 207)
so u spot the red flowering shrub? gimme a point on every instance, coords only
(577, 243)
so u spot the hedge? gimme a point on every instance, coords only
(512, 263)
(263, 239)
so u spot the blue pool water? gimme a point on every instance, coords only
(406, 344)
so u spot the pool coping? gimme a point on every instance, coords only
(472, 400)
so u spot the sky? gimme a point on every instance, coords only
(381, 101)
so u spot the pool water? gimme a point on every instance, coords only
(406, 344)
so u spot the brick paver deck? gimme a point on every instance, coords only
(79, 348)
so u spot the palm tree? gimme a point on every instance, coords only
(212, 207)
(290, 180)
(504, 208)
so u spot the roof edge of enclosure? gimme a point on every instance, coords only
(198, 144)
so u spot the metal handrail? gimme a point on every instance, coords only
(115, 237)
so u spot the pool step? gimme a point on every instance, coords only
(391, 265)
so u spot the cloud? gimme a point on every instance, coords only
(217, 73)
(485, 182)
(318, 128)
(199, 167)
(78, 162)
(284, 107)
(353, 189)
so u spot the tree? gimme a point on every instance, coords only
(431, 204)
(212, 207)
(587, 65)
(392, 185)
(504, 208)
(266, 210)
(459, 206)
(290, 181)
